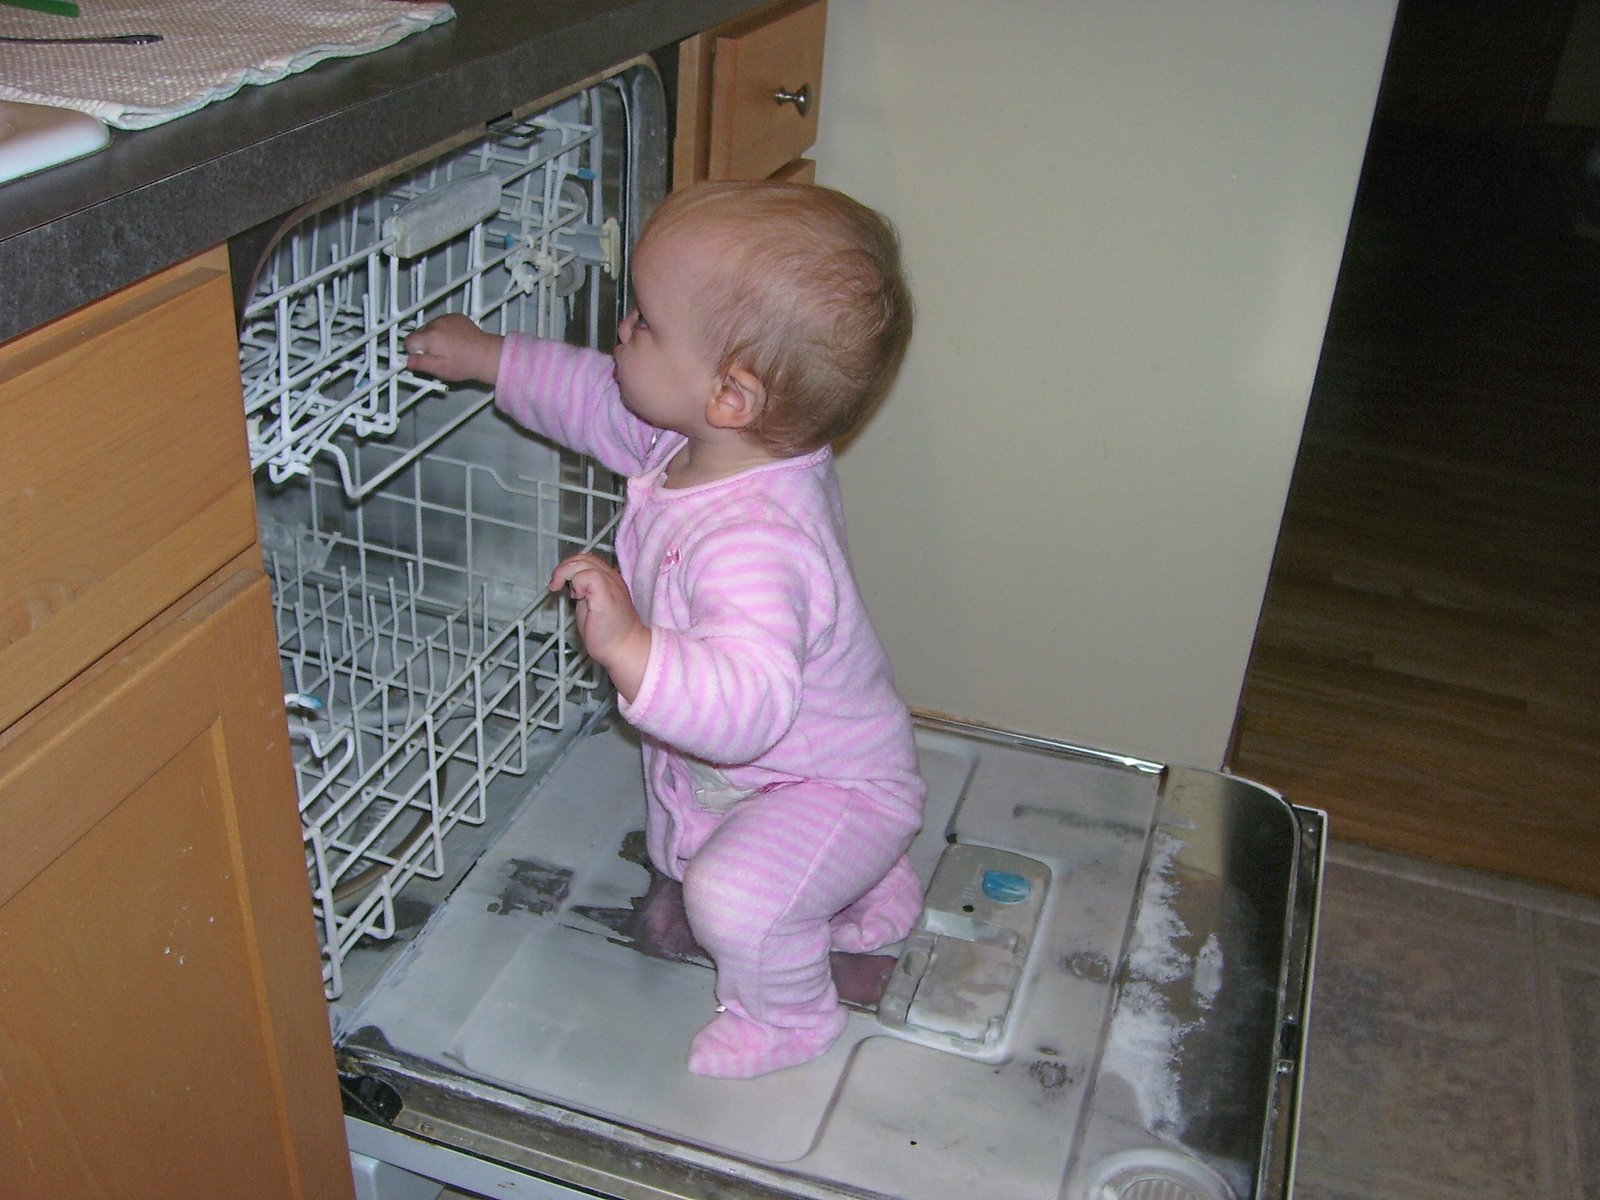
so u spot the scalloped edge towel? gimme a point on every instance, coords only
(209, 50)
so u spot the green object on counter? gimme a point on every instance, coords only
(60, 8)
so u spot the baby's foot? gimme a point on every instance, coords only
(735, 1047)
(875, 921)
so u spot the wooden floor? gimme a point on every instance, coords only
(1427, 668)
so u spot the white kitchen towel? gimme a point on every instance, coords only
(209, 49)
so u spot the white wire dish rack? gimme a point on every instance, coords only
(409, 532)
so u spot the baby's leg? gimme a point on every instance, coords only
(760, 895)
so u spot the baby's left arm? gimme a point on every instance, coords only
(607, 620)
(726, 685)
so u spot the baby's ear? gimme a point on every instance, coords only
(739, 401)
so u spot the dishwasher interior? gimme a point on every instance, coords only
(1107, 992)
(409, 532)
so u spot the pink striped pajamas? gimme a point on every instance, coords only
(781, 777)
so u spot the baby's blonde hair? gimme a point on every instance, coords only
(807, 293)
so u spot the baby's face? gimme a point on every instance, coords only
(666, 374)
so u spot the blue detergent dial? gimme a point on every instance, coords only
(1005, 887)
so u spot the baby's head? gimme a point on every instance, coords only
(805, 291)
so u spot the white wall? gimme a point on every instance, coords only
(1123, 221)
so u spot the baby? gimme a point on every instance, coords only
(781, 778)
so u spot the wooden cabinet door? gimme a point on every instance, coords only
(162, 1028)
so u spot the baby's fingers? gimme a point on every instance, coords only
(570, 568)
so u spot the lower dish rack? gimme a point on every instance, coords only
(412, 680)
(409, 531)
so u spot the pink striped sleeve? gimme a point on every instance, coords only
(727, 686)
(569, 394)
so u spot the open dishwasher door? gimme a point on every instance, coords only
(1105, 997)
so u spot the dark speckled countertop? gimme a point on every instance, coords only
(72, 233)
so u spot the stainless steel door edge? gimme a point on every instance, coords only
(1196, 1081)
(1007, 737)
(1276, 1173)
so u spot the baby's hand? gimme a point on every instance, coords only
(607, 620)
(452, 348)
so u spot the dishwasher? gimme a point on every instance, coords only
(1106, 995)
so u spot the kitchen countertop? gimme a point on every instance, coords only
(75, 232)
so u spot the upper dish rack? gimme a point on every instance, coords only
(499, 231)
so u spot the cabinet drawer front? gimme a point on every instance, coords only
(752, 132)
(124, 478)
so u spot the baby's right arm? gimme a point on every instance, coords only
(565, 393)
(454, 349)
